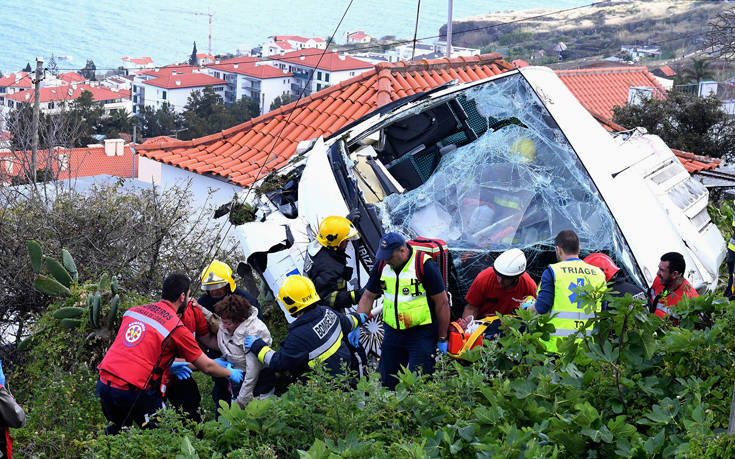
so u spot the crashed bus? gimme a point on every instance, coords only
(486, 166)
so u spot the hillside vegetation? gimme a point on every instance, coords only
(676, 26)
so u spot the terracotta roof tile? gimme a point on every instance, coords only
(601, 89)
(239, 152)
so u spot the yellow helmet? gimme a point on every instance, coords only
(525, 148)
(217, 275)
(333, 230)
(297, 292)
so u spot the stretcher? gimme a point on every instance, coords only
(461, 341)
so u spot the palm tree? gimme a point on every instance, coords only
(697, 71)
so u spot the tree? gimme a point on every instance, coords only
(685, 122)
(204, 114)
(164, 121)
(697, 71)
(283, 99)
(116, 122)
(193, 59)
(89, 70)
(28, 68)
(721, 34)
(53, 68)
(89, 115)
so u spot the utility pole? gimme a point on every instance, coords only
(449, 31)
(36, 116)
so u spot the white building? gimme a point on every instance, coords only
(281, 44)
(328, 68)
(252, 78)
(440, 47)
(406, 51)
(14, 82)
(172, 84)
(56, 98)
(637, 52)
(135, 64)
(358, 37)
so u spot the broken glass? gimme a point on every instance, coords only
(517, 185)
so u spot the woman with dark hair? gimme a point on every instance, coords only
(238, 319)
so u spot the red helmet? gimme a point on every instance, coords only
(603, 262)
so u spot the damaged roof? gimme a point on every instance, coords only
(239, 152)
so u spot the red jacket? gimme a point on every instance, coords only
(138, 355)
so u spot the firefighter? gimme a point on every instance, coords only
(149, 339)
(326, 266)
(315, 336)
(415, 307)
(613, 275)
(11, 415)
(217, 282)
(556, 292)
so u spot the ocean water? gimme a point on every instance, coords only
(106, 30)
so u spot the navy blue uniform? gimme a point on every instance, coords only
(316, 335)
(413, 347)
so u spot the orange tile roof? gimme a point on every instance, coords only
(138, 60)
(81, 162)
(159, 139)
(71, 77)
(186, 80)
(601, 89)
(238, 153)
(262, 71)
(668, 71)
(16, 80)
(696, 163)
(323, 60)
(69, 92)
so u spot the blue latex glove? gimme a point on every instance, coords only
(181, 370)
(2, 375)
(443, 346)
(354, 337)
(235, 375)
(248, 343)
(363, 318)
(223, 363)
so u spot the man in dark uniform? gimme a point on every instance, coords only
(326, 266)
(315, 336)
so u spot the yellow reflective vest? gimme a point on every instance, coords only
(405, 303)
(731, 244)
(567, 313)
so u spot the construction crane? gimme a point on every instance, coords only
(197, 13)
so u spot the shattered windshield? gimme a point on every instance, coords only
(517, 185)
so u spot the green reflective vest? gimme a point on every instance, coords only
(568, 313)
(405, 304)
(731, 244)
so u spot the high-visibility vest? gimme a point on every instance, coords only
(731, 244)
(135, 355)
(567, 313)
(405, 303)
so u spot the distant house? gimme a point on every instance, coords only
(205, 58)
(111, 158)
(281, 44)
(133, 65)
(16, 81)
(440, 47)
(314, 70)
(358, 37)
(55, 98)
(408, 51)
(119, 82)
(71, 77)
(173, 85)
(253, 78)
(637, 52)
(538, 54)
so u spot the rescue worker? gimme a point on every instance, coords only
(415, 307)
(730, 291)
(326, 266)
(669, 286)
(556, 292)
(217, 283)
(613, 275)
(149, 339)
(315, 336)
(11, 415)
(501, 288)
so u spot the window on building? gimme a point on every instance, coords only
(318, 75)
(11, 104)
(326, 77)
(135, 109)
(318, 87)
(135, 99)
(2, 89)
(50, 105)
(164, 95)
(352, 73)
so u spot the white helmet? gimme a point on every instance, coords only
(510, 263)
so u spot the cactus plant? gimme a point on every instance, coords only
(70, 312)
(68, 261)
(58, 271)
(113, 310)
(45, 284)
(36, 254)
(71, 323)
